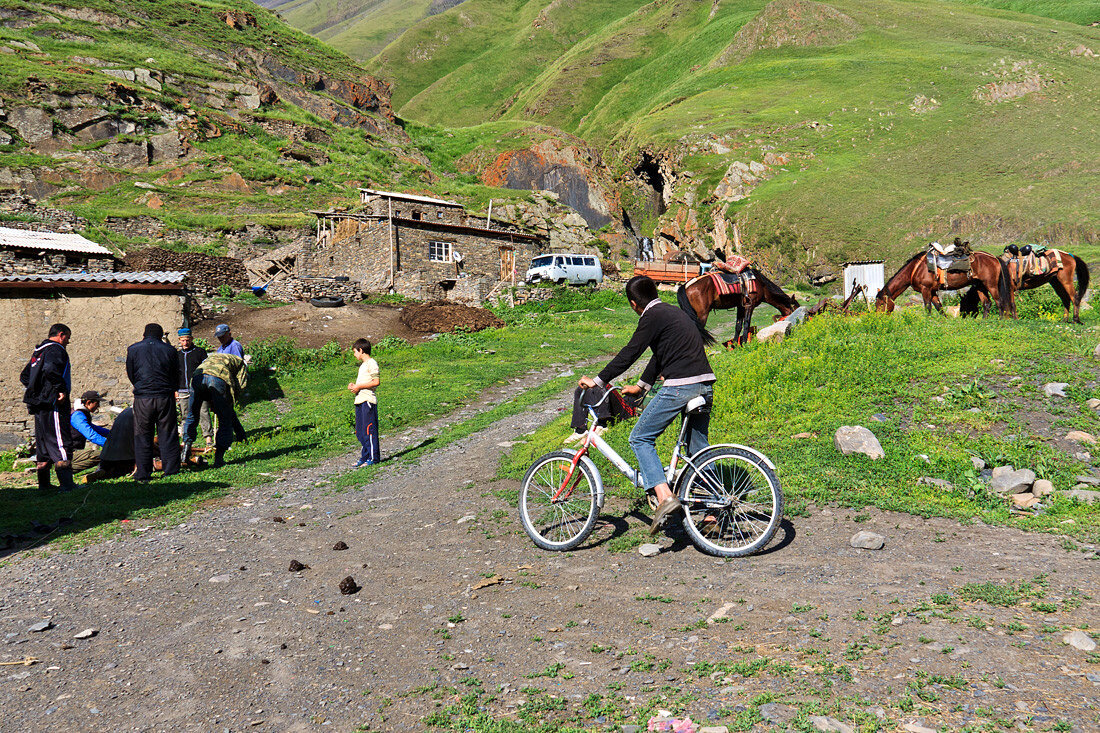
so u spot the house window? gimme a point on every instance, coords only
(416, 216)
(439, 251)
(439, 215)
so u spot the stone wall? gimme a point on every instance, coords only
(103, 325)
(380, 206)
(481, 254)
(29, 262)
(304, 288)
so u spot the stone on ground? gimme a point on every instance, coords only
(851, 439)
(1007, 480)
(1024, 501)
(937, 482)
(86, 634)
(1042, 487)
(917, 728)
(1079, 640)
(776, 331)
(865, 540)
(1081, 436)
(978, 463)
(1090, 480)
(1055, 389)
(649, 550)
(830, 725)
(1084, 495)
(1093, 404)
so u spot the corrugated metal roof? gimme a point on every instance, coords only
(409, 197)
(55, 241)
(864, 262)
(172, 276)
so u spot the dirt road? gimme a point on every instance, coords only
(202, 626)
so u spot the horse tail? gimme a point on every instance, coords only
(1082, 277)
(686, 306)
(1004, 287)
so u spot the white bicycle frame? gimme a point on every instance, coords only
(592, 439)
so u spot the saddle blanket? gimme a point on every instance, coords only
(1038, 263)
(735, 264)
(730, 284)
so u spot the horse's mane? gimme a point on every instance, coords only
(920, 253)
(773, 288)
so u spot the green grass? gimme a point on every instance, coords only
(300, 413)
(837, 371)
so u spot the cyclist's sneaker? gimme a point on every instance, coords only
(664, 509)
(572, 438)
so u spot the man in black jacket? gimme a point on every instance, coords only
(48, 381)
(154, 369)
(679, 357)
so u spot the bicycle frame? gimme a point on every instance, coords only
(592, 439)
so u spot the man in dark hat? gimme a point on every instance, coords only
(48, 382)
(154, 369)
(88, 438)
(190, 358)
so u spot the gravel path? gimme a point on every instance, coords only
(202, 627)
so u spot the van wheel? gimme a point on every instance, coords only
(560, 281)
(591, 283)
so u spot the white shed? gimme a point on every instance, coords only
(868, 273)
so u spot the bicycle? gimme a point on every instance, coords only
(732, 500)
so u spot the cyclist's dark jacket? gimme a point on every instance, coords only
(677, 347)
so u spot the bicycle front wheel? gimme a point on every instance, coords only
(555, 513)
(733, 502)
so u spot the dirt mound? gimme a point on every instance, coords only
(443, 316)
(790, 23)
(205, 273)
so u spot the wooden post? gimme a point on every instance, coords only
(392, 245)
(489, 218)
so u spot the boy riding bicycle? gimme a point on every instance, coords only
(679, 357)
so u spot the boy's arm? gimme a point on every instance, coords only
(629, 354)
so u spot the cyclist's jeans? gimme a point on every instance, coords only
(658, 415)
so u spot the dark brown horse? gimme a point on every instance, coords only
(699, 297)
(1061, 279)
(987, 273)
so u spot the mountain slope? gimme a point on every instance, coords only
(360, 28)
(887, 121)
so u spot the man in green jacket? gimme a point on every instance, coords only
(219, 381)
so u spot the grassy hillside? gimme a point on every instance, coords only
(249, 120)
(903, 118)
(360, 28)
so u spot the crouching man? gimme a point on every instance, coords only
(219, 381)
(88, 438)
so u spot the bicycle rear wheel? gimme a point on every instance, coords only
(732, 500)
(564, 522)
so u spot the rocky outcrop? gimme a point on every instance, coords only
(569, 171)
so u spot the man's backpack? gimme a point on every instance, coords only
(39, 395)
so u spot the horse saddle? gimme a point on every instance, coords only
(941, 262)
(1042, 261)
(735, 264)
(729, 283)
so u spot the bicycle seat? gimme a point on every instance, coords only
(696, 404)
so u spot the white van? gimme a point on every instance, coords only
(565, 268)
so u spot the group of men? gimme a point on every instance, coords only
(167, 383)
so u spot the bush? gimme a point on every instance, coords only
(283, 354)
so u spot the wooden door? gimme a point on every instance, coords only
(507, 262)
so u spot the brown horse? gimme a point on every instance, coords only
(987, 273)
(1062, 280)
(699, 297)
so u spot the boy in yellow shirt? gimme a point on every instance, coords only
(366, 404)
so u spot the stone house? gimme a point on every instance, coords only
(107, 312)
(417, 246)
(25, 252)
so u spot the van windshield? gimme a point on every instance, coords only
(541, 261)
